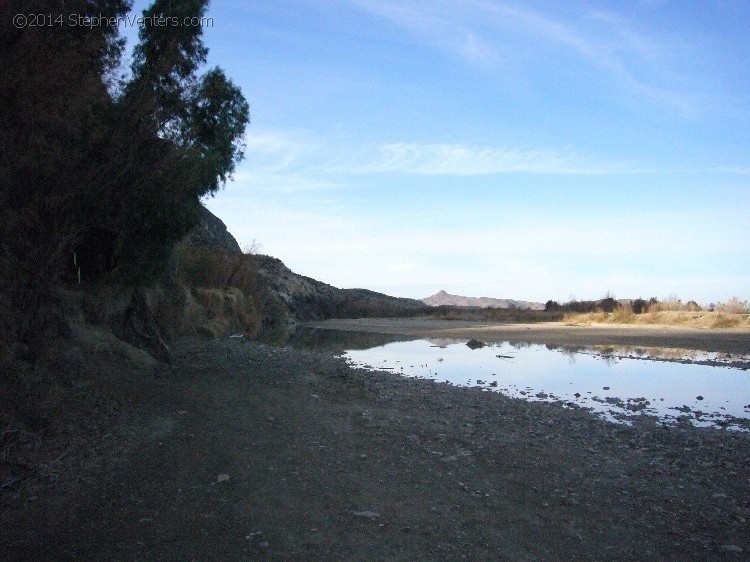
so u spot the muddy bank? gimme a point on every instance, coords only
(248, 452)
(555, 333)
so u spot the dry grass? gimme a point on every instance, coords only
(221, 311)
(702, 319)
(222, 291)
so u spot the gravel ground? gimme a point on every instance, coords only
(248, 452)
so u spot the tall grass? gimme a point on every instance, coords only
(228, 288)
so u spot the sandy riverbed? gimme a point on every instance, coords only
(724, 341)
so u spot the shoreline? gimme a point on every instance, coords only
(730, 341)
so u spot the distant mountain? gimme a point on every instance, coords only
(442, 298)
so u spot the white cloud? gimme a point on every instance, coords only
(465, 160)
(291, 162)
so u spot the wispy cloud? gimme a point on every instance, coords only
(477, 31)
(440, 24)
(302, 161)
(467, 160)
(290, 161)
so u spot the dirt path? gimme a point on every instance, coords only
(326, 463)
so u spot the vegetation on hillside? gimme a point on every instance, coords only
(100, 172)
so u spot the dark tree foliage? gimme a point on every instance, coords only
(608, 304)
(98, 181)
(639, 306)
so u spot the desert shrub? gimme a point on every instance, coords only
(670, 304)
(446, 312)
(721, 320)
(608, 304)
(199, 267)
(733, 306)
(211, 273)
(639, 306)
(623, 314)
(229, 309)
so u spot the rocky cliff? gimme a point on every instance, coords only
(304, 297)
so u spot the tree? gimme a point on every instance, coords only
(608, 304)
(102, 178)
(53, 96)
(188, 129)
(639, 306)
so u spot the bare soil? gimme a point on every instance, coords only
(243, 451)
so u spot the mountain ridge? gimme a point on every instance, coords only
(442, 298)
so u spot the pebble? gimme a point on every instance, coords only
(366, 514)
(731, 548)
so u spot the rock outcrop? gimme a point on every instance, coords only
(304, 297)
(309, 299)
(212, 234)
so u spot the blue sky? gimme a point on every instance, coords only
(527, 150)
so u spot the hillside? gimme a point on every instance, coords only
(309, 299)
(442, 298)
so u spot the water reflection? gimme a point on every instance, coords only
(616, 382)
(339, 340)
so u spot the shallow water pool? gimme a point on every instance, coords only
(705, 389)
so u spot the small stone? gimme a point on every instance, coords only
(222, 478)
(731, 548)
(366, 514)
(699, 397)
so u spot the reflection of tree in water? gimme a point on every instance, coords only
(570, 354)
(609, 360)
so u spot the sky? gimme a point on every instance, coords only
(530, 150)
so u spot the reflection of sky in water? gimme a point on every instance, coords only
(533, 370)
